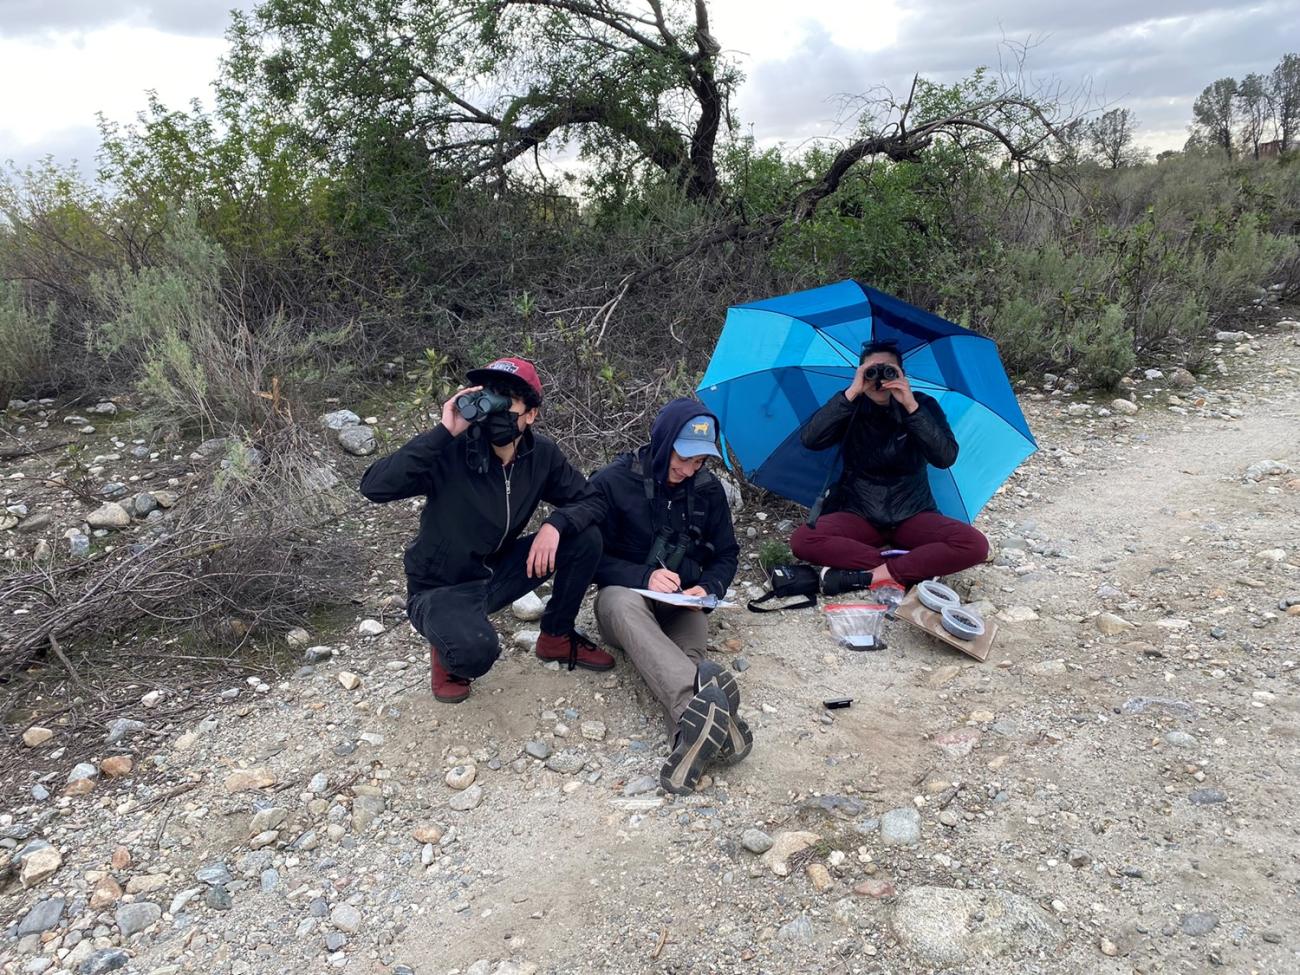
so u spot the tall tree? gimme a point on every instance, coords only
(1252, 108)
(1110, 138)
(482, 83)
(1284, 98)
(1214, 112)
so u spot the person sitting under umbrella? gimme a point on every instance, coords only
(882, 499)
(667, 528)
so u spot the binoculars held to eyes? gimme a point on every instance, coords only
(881, 373)
(477, 406)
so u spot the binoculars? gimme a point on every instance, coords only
(480, 404)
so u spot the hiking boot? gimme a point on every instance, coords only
(700, 733)
(740, 740)
(836, 581)
(447, 687)
(575, 649)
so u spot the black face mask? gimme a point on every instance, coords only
(502, 428)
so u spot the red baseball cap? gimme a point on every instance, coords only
(511, 369)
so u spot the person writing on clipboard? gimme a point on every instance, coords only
(667, 532)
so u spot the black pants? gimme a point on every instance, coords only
(455, 618)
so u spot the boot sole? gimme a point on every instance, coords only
(703, 729)
(579, 664)
(740, 740)
(451, 700)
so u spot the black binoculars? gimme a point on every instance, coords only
(480, 404)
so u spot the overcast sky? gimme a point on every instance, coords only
(61, 61)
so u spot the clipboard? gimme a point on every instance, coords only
(681, 599)
(910, 610)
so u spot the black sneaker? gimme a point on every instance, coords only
(700, 734)
(740, 740)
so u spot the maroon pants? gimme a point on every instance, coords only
(937, 545)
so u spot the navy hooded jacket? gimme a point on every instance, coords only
(631, 517)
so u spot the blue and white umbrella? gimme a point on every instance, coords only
(777, 361)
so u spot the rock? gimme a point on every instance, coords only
(800, 929)
(1199, 925)
(35, 736)
(104, 960)
(593, 730)
(1207, 797)
(640, 786)
(335, 940)
(114, 490)
(957, 743)
(152, 699)
(218, 898)
(1108, 948)
(819, 877)
(538, 749)
(528, 607)
(566, 763)
(466, 800)
(123, 729)
(950, 819)
(105, 893)
(134, 918)
(462, 776)
(346, 918)
(267, 819)
(527, 639)
(945, 927)
(1018, 614)
(116, 766)
(146, 883)
(785, 845)
(214, 874)
(121, 858)
(109, 515)
(1180, 739)
(78, 543)
(1111, 625)
(1138, 705)
(875, 887)
(427, 834)
(43, 916)
(734, 499)
(1265, 468)
(166, 499)
(756, 841)
(143, 503)
(249, 780)
(339, 419)
(316, 655)
(366, 808)
(318, 784)
(358, 440)
(349, 680)
(106, 408)
(1125, 406)
(83, 770)
(370, 627)
(298, 637)
(900, 827)
(1080, 858)
(35, 523)
(1181, 378)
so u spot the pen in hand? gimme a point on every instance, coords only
(666, 569)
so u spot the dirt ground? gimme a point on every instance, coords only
(1113, 791)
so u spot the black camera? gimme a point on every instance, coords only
(881, 373)
(477, 406)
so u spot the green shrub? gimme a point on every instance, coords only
(25, 342)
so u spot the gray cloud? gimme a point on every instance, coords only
(71, 147)
(201, 18)
(1154, 56)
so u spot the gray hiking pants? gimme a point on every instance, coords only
(665, 644)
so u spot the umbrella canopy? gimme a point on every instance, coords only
(777, 361)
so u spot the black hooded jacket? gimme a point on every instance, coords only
(638, 501)
(884, 479)
(469, 517)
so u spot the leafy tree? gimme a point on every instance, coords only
(1214, 112)
(1283, 93)
(482, 84)
(1252, 105)
(1110, 138)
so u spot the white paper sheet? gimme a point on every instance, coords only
(681, 599)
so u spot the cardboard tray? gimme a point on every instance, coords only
(911, 611)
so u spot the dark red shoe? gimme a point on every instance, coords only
(575, 649)
(447, 687)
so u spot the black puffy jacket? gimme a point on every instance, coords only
(885, 477)
(468, 517)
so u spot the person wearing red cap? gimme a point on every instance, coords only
(482, 479)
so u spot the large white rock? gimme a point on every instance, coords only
(110, 515)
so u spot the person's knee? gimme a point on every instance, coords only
(976, 544)
(803, 543)
(474, 656)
